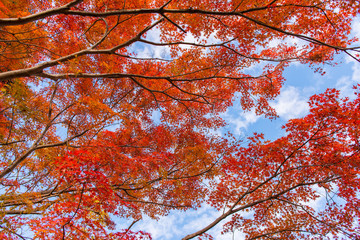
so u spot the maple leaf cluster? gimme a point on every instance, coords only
(80, 142)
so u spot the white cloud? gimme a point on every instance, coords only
(166, 228)
(356, 72)
(143, 50)
(149, 51)
(356, 27)
(179, 224)
(345, 84)
(290, 104)
(239, 120)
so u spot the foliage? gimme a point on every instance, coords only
(80, 142)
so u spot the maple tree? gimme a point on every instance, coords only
(80, 142)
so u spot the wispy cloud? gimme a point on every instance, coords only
(290, 103)
(179, 224)
(238, 120)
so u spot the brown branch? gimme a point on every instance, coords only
(38, 16)
(34, 147)
(38, 69)
(252, 204)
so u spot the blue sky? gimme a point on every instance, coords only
(301, 83)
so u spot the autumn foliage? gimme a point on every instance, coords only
(110, 108)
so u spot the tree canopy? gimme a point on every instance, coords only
(80, 143)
